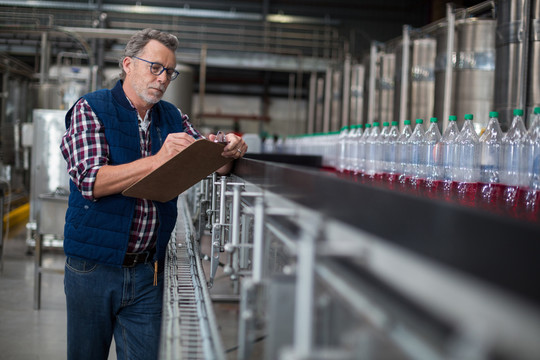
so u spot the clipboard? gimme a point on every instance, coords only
(188, 167)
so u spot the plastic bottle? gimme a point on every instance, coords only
(354, 152)
(371, 147)
(433, 155)
(510, 166)
(468, 150)
(349, 142)
(448, 142)
(490, 189)
(342, 157)
(362, 150)
(529, 192)
(390, 164)
(416, 148)
(402, 144)
(379, 150)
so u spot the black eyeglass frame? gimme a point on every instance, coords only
(170, 76)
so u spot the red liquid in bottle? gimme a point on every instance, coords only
(490, 196)
(528, 204)
(466, 193)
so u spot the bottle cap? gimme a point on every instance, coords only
(419, 121)
(368, 126)
(452, 118)
(375, 123)
(360, 125)
(385, 123)
(468, 116)
(395, 123)
(433, 120)
(518, 112)
(493, 114)
(407, 122)
(537, 110)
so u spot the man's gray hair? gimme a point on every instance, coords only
(139, 40)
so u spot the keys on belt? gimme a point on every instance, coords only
(132, 259)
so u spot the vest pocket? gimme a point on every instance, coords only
(78, 216)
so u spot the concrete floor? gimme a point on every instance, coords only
(28, 334)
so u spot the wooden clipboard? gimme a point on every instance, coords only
(193, 164)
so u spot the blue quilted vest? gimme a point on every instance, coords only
(99, 230)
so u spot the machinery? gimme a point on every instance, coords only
(326, 268)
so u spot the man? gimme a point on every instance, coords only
(115, 245)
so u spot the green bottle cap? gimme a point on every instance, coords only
(433, 120)
(385, 123)
(452, 118)
(419, 121)
(468, 116)
(375, 123)
(407, 122)
(360, 125)
(368, 126)
(537, 110)
(395, 123)
(518, 112)
(493, 114)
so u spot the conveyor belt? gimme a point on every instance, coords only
(188, 327)
(496, 249)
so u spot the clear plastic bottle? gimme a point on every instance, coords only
(490, 191)
(529, 193)
(468, 150)
(433, 154)
(510, 166)
(362, 150)
(371, 147)
(342, 157)
(448, 142)
(349, 147)
(416, 146)
(379, 150)
(531, 150)
(402, 144)
(390, 164)
(354, 152)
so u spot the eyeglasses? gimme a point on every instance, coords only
(157, 69)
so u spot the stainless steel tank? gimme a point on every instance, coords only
(180, 91)
(49, 170)
(336, 99)
(475, 70)
(385, 89)
(509, 93)
(533, 97)
(440, 68)
(421, 80)
(357, 94)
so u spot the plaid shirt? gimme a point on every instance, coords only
(86, 150)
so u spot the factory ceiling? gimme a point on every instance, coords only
(245, 37)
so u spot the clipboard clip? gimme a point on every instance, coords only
(220, 137)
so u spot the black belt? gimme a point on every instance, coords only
(132, 259)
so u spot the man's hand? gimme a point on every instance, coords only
(235, 148)
(174, 144)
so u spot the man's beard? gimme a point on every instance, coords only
(145, 95)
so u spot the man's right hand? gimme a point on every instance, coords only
(174, 144)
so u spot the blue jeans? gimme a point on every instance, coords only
(104, 301)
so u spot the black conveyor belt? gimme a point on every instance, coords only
(500, 250)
